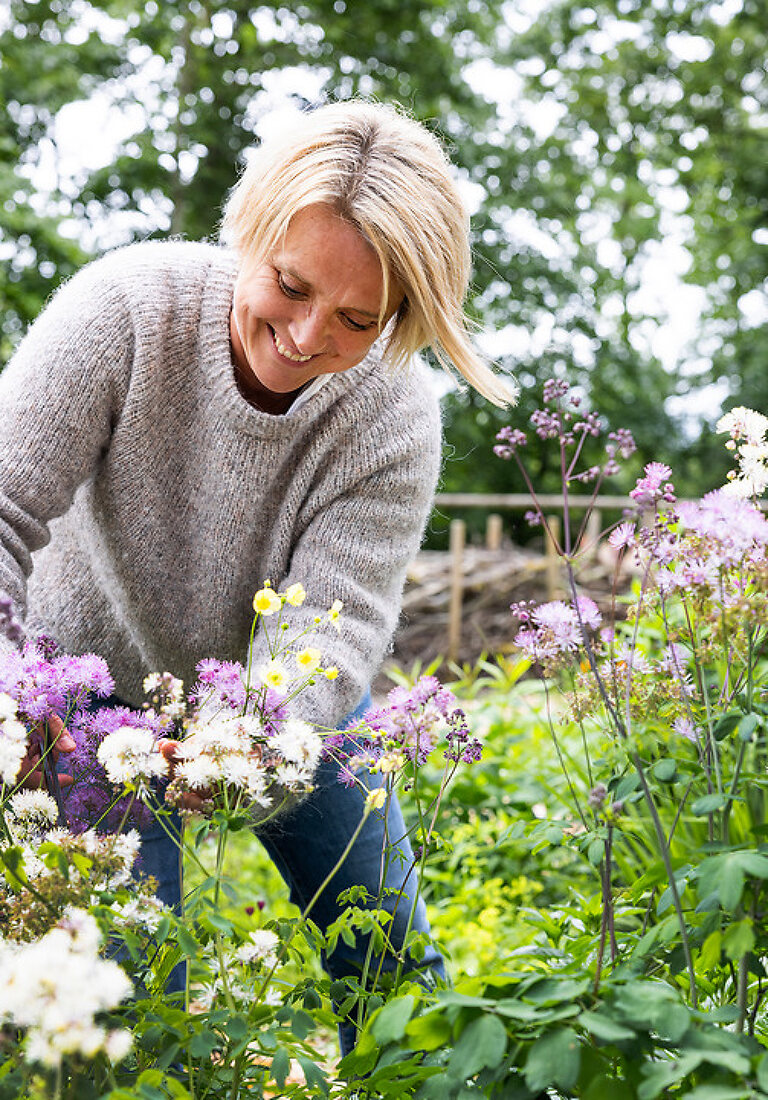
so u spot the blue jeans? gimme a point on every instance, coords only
(304, 845)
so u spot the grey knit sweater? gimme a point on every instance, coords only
(143, 501)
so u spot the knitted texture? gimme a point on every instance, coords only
(143, 501)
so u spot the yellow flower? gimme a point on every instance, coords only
(266, 601)
(274, 675)
(390, 762)
(308, 659)
(376, 798)
(331, 673)
(295, 595)
(333, 613)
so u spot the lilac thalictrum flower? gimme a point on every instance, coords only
(655, 486)
(91, 794)
(10, 625)
(684, 727)
(224, 680)
(406, 728)
(729, 526)
(44, 686)
(622, 536)
(557, 627)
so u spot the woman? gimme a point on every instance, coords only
(185, 420)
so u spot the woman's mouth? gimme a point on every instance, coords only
(282, 350)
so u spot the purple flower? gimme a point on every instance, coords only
(729, 526)
(407, 725)
(622, 536)
(223, 680)
(654, 487)
(507, 440)
(91, 795)
(44, 686)
(560, 620)
(684, 727)
(10, 625)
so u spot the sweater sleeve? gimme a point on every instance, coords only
(60, 396)
(356, 548)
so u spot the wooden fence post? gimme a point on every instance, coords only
(592, 533)
(493, 531)
(458, 533)
(552, 557)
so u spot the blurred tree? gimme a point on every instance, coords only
(600, 142)
(656, 152)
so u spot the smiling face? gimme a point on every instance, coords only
(310, 308)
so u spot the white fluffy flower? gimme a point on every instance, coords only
(34, 807)
(298, 743)
(144, 911)
(13, 746)
(130, 755)
(55, 987)
(743, 423)
(8, 706)
(261, 948)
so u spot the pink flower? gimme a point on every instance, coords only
(622, 536)
(654, 486)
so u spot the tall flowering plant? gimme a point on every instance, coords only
(201, 765)
(666, 687)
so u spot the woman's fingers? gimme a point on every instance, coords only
(60, 737)
(31, 773)
(189, 800)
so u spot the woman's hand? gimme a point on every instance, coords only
(31, 773)
(189, 800)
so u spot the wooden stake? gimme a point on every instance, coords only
(458, 533)
(493, 531)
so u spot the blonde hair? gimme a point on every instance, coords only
(386, 175)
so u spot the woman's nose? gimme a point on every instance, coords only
(309, 332)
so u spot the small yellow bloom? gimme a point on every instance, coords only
(274, 675)
(334, 611)
(266, 601)
(308, 659)
(331, 673)
(390, 762)
(295, 595)
(376, 798)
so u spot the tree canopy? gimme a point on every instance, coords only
(602, 145)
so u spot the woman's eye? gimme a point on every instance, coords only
(356, 326)
(288, 290)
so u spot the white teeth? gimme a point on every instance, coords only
(289, 354)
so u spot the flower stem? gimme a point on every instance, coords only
(662, 840)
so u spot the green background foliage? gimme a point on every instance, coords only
(590, 136)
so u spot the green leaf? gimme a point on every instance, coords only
(708, 804)
(762, 1072)
(602, 1027)
(187, 943)
(730, 882)
(390, 1022)
(665, 770)
(313, 1074)
(481, 1045)
(595, 852)
(739, 939)
(553, 1061)
(237, 1028)
(281, 1064)
(716, 1092)
(726, 724)
(748, 725)
(428, 1032)
(203, 1044)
